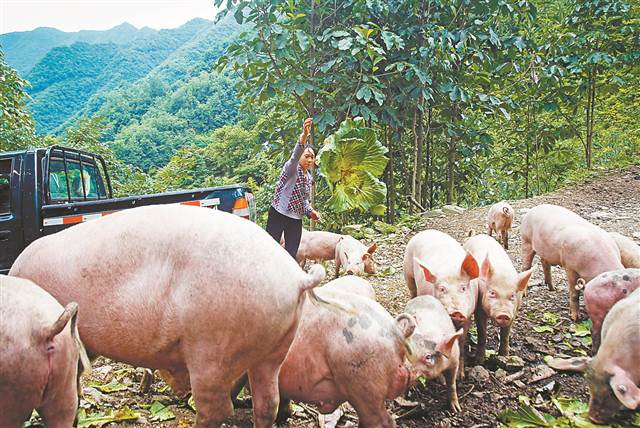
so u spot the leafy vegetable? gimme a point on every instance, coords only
(351, 161)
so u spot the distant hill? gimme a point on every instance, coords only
(24, 49)
(72, 81)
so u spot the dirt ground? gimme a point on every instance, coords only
(611, 200)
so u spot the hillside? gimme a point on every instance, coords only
(611, 201)
(74, 80)
(24, 49)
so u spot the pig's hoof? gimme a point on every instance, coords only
(146, 381)
(454, 406)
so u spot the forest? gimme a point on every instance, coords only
(416, 104)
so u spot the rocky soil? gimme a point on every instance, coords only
(611, 200)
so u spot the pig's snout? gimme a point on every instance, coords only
(458, 317)
(597, 418)
(503, 320)
(349, 271)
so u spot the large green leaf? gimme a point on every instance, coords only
(351, 161)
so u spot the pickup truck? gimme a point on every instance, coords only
(43, 191)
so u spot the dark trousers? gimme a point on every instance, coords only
(277, 224)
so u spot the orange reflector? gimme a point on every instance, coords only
(240, 203)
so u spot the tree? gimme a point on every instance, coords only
(16, 125)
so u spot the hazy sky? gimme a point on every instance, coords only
(74, 15)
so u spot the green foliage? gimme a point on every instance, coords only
(351, 161)
(16, 126)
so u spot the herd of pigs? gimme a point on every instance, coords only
(210, 300)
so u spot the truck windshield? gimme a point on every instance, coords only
(5, 186)
(77, 182)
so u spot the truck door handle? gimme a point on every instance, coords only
(4, 235)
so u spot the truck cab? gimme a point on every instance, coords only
(43, 191)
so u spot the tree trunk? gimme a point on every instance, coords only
(451, 158)
(416, 159)
(391, 188)
(427, 195)
(418, 194)
(591, 102)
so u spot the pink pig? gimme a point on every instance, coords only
(361, 356)
(602, 292)
(436, 343)
(435, 264)
(561, 237)
(629, 250)
(202, 295)
(500, 289)
(317, 245)
(351, 284)
(356, 257)
(40, 356)
(499, 220)
(614, 373)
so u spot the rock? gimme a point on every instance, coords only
(383, 227)
(636, 236)
(512, 363)
(523, 210)
(479, 374)
(519, 384)
(453, 209)
(541, 372)
(432, 213)
(501, 374)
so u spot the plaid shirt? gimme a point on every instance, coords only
(294, 187)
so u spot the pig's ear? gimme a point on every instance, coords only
(523, 279)
(625, 389)
(372, 248)
(427, 273)
(575, 364)
(446, 344)
(486, 269)
(406, 324)
(470, 266)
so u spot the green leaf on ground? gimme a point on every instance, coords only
(98, 419)
(112, 386)
(550, 318)
(161, 412)
(526, 416)
(543, 329)
(581, 329)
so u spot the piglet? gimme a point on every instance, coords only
(629, 250)
(500, 289)
(435, 264)
(361, 356)
(39, 356)
(561, 237)
(614, 373)
(436, 344)
(356, 257)
(351, 284)
(499, 220)
(602, 292)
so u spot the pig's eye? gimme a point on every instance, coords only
(492, 294)
(513, 296)
(442, 289)
(625, 291)
(463, 288)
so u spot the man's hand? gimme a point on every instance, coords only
(306, 130)
(315, 215)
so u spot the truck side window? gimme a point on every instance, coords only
(5, 186)
(81, 182)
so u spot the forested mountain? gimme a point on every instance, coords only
(24, 49)
(68, 77)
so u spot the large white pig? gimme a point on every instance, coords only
(629, 250)
(500, 290)
(202, 295)
(435, 264)
(39, 356)
(561, 237)
(354, 256)
(614, 373)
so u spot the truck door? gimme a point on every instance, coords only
(11, 239)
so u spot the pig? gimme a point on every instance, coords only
(500, 291)
(41, 357)
(356, 257)
(499, 220)
(363, 357)
(629, 250)
(436, 343)
(201, 295)
(561, 237)
(435, 264)
(602, 292)
(317, 245)
(351, 284)
(614, 373)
